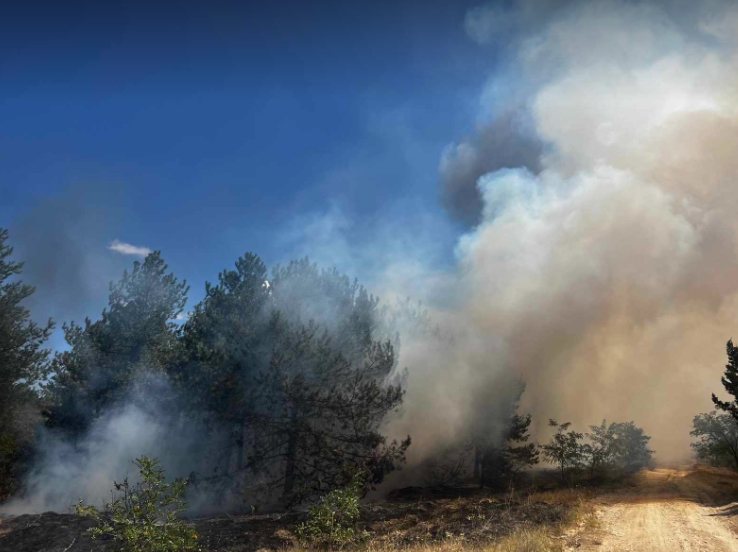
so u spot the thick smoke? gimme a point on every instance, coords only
(504, 141)
(603, 269)
(609, 280)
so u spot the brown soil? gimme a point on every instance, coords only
(669, 510)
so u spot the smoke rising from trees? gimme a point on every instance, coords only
(608, 281)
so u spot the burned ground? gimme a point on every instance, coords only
(408, 517)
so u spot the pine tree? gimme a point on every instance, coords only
(23, 364)
(500, 462)
(292, 366)
(136, 333)
(226, 341)
(730, 382)
(499, 438)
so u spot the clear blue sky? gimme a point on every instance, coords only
(203, 129)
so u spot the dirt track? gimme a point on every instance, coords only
(669, 510)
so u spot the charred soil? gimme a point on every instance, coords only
(407, 518)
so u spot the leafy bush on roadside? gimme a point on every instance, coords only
(332, 521)
(143, 517)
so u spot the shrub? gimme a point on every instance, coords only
(143, 517)
(564, 449)
(718, 439)
(332, 521)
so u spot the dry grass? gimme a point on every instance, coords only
(551, 521)
(467, 519)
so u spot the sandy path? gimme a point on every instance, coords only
(670, 510)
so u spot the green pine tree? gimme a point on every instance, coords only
(136, 333)
(23, 365)
(730, 382)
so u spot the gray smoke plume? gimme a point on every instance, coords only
(62, 242)
(140, 424)
(505, 141)
(608, 280)
(603, 273)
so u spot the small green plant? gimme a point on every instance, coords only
(143, 517)
(332, 521)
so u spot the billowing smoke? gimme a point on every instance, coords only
(505, 141)
(607, 279)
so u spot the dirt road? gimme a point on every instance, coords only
(669, 510)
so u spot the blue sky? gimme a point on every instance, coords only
(208, 130)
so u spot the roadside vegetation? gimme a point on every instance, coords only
(717, 431)
(144, 517)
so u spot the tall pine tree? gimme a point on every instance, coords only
(730, 382)
(23, 365)
(137, 332)
(291, 365)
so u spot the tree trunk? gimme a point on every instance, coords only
(477, 462)
(240, 438)
(481, 471)
(290, 460)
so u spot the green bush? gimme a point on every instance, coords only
(143, 517)
(332, 521)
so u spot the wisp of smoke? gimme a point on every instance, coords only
(140, 424)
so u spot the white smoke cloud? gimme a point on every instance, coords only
(608, 279)
(142, 424)
(611, 277)
(128, 249)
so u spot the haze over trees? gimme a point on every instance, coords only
(293, 374)
(718, 439)
(292, 365)
(135, 334)
(286, 371)
(501, 447)
(717, 433)
(618, 447)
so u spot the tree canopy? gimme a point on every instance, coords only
(717, 439)
(730, 382)
(136, 333)
(292, 365)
